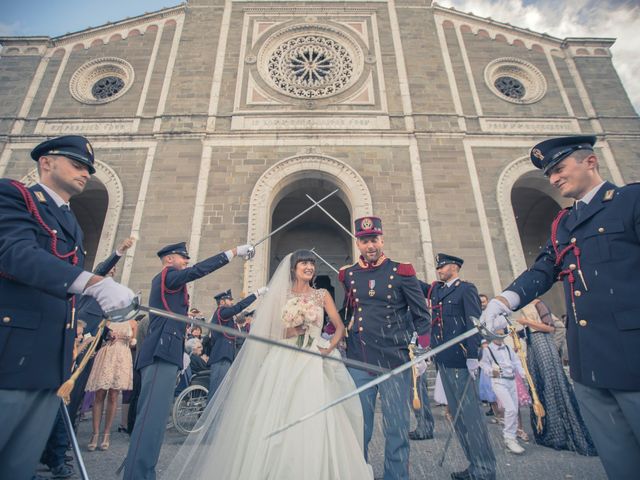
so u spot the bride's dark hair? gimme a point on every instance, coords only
(301, 256)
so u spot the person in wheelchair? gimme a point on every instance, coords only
(193, 347)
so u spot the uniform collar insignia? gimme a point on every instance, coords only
(364, 264)
(608, 195)
(40, 196)
(457, 283)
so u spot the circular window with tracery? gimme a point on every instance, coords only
(310, 63)
(515, 80)
(101, 80)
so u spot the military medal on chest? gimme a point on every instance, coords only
(372, 286)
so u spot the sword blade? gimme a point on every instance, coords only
(250, 336)
(332, 218)
(313, 250)
(381, 378)
(315, 204)
(74, 441)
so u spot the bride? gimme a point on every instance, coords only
(267, 387)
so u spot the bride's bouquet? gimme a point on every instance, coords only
(300, 312)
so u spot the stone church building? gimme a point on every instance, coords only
(214, 122)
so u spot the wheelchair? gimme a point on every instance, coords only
(191, 403)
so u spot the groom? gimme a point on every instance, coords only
(384, 303)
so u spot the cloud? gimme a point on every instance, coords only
(9, 29)
(618, 19)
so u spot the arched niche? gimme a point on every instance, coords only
(289, 178)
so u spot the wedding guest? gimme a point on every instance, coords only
(501, 364)
(112, 372)
(562, 426)
(198, 361)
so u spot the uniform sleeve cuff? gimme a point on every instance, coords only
(229, 254)
(512, 297)
(78, 285)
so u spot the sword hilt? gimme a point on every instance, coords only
(125, 313)
(486, 333)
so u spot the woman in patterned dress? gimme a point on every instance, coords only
(112, 372)
(562, 425)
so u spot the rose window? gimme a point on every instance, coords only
(310, 66)
(510, 87)
(107, 87)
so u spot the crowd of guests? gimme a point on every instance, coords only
(530, 359)
(506, 384)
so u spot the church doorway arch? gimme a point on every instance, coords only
(313, 230)
(533, 204)
(280, 194)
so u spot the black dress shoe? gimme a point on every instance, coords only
(416, 436)
(464, 475)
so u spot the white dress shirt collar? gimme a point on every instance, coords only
(56, 198)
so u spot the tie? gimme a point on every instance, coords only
(579, 208)
(70, 218)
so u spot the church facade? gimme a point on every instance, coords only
(216, 121)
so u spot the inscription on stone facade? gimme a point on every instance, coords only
(499, 125)
(56, 128)
(311, 123)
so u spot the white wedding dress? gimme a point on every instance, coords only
(267, 388)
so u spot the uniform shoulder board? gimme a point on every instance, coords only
(406, 270)
(342, 273)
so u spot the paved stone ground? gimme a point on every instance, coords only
(538, 462)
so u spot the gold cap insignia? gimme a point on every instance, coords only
(366, 224)
(40, 196)
(608, 195)
(538, 154)
(89, 149)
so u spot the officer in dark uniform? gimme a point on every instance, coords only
(41, 259)
(594, 249)
(453, 302)
(384, 304)
(223, 350)
(161, 353)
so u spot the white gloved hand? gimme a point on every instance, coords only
(421, 367)
(110, 295)
(472, 366)
(493, 316)
(261, 291)
(246, 251)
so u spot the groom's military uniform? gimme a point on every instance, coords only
(384, 304)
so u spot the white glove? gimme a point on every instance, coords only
(492, 317)
(472, 366)
(246, 251)
(421, 367)
(110, 295)
(261, 291)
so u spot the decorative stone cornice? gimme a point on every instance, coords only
(101, 34)
(514, 35)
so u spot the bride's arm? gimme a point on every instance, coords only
(336, 321)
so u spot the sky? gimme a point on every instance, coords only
(560, 18)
